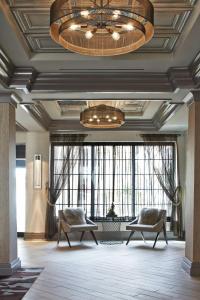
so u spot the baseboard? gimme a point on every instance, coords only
(192, 268)
(34, 236)
(7, 269)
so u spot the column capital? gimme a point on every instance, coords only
(11, 98)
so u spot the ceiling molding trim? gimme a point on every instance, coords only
(20, 128)
(28, 80)
(164, 113)
(22, 79)
(181, 78)
(195, 69)
(74, 125)
(118, 81)
(13, 23)
(38, 113)
(6, 69)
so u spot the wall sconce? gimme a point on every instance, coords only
(37, 171)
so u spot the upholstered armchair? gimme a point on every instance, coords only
(149, 220)
(74, 220)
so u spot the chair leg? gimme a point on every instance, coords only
(131, 234)
(82, 234)
(94, 237)
(156, 239)
(143, 237)
(59, 233)
(165, 234)
(66, 235)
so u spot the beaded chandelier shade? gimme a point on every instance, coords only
(102, 27)
(102, 116)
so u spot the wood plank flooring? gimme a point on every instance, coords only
(108, 272)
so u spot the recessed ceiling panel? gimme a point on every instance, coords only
(33, 20)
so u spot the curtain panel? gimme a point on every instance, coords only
(59, 167)
(169, 179)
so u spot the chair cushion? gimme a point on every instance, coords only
(149, 216)
(74, 216)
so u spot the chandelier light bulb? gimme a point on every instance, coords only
(107, 117)
(88, 34)
(74, 27)
(95, 117)
(114, 118)
(129, 27)
(115, 36)
(98, 120)
(85, 13)
(109, 120)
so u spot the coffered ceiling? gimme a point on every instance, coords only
(54, 85)
(32, 18)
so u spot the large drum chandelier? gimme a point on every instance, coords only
(102, 116)
(102, 27)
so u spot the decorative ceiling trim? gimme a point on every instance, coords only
(74, 125)
(38, 113)
(164, 113)
(29, 80)
(195, 69)
(20, 128)
(13, 23)
(22, 79)
(6, 69)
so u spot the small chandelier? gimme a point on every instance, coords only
(102, 116)
(101, 27)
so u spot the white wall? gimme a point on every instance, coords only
(36, 200)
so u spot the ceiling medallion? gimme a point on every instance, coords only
(102, 116)
(102, 27)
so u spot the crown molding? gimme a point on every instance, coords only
(164, 113)
(28, 80)
(195, 69)
(74, 125)
(20, 128)
(6, 69)
(22, 79)
(38, 113)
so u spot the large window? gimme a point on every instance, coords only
(100, 174)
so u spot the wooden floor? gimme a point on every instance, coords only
(104, 272)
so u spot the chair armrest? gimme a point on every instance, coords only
(159, 225)
(134, 221)
(65, 226)
(88, 221)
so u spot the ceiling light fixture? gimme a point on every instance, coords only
(102, 116)
(101, 27)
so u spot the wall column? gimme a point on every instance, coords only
(191, 262)
(9, 260)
